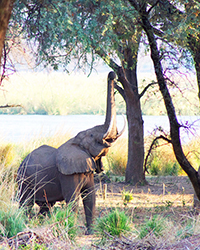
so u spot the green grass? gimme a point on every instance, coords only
(115, 223)
(154, 225)
(12, 221)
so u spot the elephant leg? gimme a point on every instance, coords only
(71, 187)
(89, 198)
(44, 207)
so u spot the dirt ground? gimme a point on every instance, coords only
(175, 192)
(167, 196)
(160, 190)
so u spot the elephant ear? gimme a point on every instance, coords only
(71, 159)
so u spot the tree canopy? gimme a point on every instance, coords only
(60, 30)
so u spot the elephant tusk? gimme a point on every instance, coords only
(109, 128)
(123, 129)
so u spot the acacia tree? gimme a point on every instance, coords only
(62, 30)
(144, 13)
(110, 29)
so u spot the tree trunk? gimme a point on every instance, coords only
(174, 125)
(194, 45)
(134, 168)
(6, 7)
(127, 76)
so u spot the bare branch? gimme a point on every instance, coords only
(149, 10)
(146, 88)
(151, 147)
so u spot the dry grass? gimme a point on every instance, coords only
(170, 198)
(56, 93)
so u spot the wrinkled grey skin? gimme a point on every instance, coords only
(48, 175)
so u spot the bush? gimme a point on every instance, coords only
(114, 223)
(162, 162)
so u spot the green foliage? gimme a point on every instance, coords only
(68, 30)
(12, 221)
(127, 196)
(114, 223)
(154, 225)
(158, 167)
(34, 246)
(162, 162)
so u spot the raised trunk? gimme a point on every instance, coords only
(111, 108)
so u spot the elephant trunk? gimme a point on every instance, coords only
(110, 124)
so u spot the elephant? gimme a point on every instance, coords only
(48, 175)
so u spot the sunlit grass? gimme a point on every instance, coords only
(138, 211)
(57, 94)
(116, 159)
(162, 160)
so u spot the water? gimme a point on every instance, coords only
(20, 128)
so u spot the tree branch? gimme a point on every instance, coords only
(151, 147)
(146, 88)
(11, 106)
(109, 61)
(118, 69)
(120, 90)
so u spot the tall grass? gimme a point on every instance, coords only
(116, 159)
(61, 94)
(56, 94)
(162, 160)
(116, 222)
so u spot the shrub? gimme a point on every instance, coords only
(162, 162)
(114, 223)
(127, 196)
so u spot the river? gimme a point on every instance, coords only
(20, 128)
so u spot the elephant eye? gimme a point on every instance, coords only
(91, 135)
